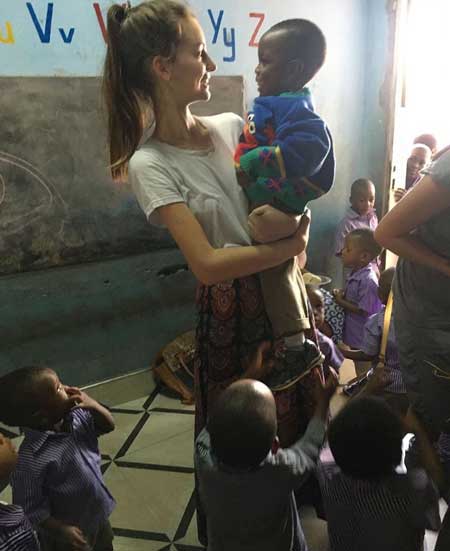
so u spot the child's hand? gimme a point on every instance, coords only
(338, 294)
(80, 399)
(324, 391)
(259, 364)
(268, 224)
(378, 381)
(399, 193)
(72, 538)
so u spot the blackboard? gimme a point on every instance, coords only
(58, 205)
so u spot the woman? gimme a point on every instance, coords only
(184, 179)
(417, 229)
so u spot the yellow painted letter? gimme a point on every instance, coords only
(10, 35)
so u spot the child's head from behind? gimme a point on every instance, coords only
(360, 248)
(290, 53)
(316, 299)
(33, 397)
(385, 284)
(8, 460)
(362, 196)
(243, 424)
(366, 438)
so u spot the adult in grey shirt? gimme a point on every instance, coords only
(418, 230)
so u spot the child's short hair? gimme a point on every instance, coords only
(306, 41)
(426, 139)
(359, 185)
(366, 241)
(19, 397)
(366, 438)
(243, 424)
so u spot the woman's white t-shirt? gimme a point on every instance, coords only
(161, 174)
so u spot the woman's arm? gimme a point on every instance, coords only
(425, 200)
(212, 265)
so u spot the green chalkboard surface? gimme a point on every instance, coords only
(58, 205)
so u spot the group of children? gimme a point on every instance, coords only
(246, 481)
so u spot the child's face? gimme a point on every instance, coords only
(318, 306)
(352, 255)
(271, 74)
(8, 457)
(53, 399)
(363, 200)
(418, 159)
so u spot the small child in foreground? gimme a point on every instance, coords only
(369, 505)
(360, 298)
(58, 481)
(16, 533)
(246, 481)
(333, 356)
(284, 160)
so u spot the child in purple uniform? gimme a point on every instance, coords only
(16, 533)
(395, 391)
(333, 356)
(58, 481)
(360, 296)
(361, 213)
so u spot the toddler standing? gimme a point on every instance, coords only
(361, 213)
(360, 296)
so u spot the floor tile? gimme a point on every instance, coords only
(111, 443)
(149, 500)
(136, 405)
(165, 439)
(129, 544)
(191, 535)
(165, 402)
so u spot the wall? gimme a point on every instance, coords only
(62, 39)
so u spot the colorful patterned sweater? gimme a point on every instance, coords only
(286, 151)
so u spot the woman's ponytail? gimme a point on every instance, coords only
(135, 36)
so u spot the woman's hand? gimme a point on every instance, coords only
(268, 224)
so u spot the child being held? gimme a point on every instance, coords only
(333, 356)
(395, 391)
(246, 481)
(360, 297)
(371, 506)
(58, 481)
(16, 533)
(361, 213)
(284, 160)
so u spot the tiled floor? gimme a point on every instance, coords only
(148, 467)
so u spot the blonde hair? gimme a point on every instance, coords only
(135, 37)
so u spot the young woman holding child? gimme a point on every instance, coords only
(184, 178)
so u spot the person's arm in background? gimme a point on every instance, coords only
(424, 201)
(212, 265)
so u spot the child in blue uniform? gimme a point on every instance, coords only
(285, 159)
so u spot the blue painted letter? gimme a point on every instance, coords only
(44, 35)
(216, 25)
(231, 43)
(67, 38)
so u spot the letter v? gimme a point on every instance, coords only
(44, 35)
(67, 38)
